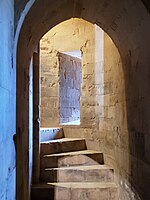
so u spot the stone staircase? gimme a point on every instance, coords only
(71, 172)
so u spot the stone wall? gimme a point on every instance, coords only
(70, 78)
(71, 35)
(7, 102)
(49, 88)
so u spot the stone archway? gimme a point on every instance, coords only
(127, 24)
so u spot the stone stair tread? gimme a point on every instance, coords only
(61, 140)
(87, 167)
(83, 152)
(62, 145)
(84, 185)
(78, 173)
(80, 185)
(72, 158)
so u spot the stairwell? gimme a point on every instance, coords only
(69, 171)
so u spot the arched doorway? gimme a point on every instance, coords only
(125, 22)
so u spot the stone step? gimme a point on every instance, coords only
(93, 173)
(86, 157)
(47, 134)
(86, 191)
(74, 191)
(62, 145)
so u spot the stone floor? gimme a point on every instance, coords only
(70, 171)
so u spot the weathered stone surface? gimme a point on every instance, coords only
(94, 173)
(72, 168)
(87, 191)
(77, 37)
(73, 191)
(70, 78)
(85, 157)
(62, 145)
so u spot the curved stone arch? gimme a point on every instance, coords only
(124, 21)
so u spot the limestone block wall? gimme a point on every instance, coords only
(7, 102)
(109, 100)
(49, 88)
(71, 35)
(113, 125)
(70, 78)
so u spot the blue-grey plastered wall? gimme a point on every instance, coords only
(7, 102)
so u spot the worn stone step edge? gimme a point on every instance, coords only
(82, 167)
(79, 185)
(62, 140)
(77, 158)
(74, 153)
(62, 146)
(63, 191)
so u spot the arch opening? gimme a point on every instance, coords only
(128, 40)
